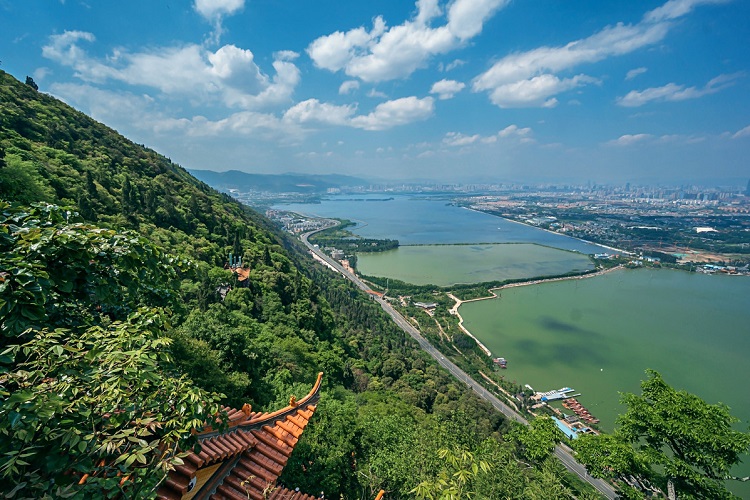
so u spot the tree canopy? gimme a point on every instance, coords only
(669, 435)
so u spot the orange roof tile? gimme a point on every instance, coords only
(254, 449)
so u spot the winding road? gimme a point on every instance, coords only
(564, 453)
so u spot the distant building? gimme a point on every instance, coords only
(426, 305)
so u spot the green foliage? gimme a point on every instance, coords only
(85, 364)
(456, 481)
(56, 271)
(669, 435)
(97, 401)
(537, 441)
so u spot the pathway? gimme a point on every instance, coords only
(562, 452)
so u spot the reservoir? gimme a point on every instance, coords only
(597, 335)
(445, 265)
(420, 220)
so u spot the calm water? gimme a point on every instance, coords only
(445, 265)
(424, 220)
(596, 335)
(599, 335)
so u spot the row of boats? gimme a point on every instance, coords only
(580, 410)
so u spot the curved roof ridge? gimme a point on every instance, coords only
(267, 418)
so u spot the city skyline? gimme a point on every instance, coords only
(488, 90)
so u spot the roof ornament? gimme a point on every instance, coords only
(247, 409)
(293, 401)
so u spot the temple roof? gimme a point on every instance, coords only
(248, 456)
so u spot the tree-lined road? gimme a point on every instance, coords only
(562, 452)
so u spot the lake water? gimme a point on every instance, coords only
(597, 335)
(445, 265)
(414, 220)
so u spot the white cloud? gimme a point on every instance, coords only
(458, 139)
(214, 11)
(376, 93)
(386, 115)
(514, 131)
(635, 72)
(211, 9)
(536, 91)
(510, 133)
(511, 80)
(125, 110)
(676, 8)
(229, 74)
(389, 53)
(41, 73)
(466, 17)
(451, 65)
(348, 87)
(630, 139)
(745, 132)
(285, 55)
(446, 89)
(313, 110)
(674, 92)
(397, 112)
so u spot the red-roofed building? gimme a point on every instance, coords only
(244, 460)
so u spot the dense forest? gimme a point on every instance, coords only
(116, 344)
(110, 247)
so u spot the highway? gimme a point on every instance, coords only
(562, 452)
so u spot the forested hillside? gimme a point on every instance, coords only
(116, 343)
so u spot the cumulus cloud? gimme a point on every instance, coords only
(745, 132)
(384, 53)
(446, 89)
(635, 72)
(214, 12)
(674, 92)
(515, 78)
(459, 139)
(211, 9)
(386, 115)
(510, 133)
(536, 91)
(313, 110)
(125, 110)
(630, 139)
(396, 112)
(348, 87)
(229, 74)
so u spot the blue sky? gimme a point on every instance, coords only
(458, 90)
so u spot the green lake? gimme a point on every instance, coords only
(445, 265)
(599, 335)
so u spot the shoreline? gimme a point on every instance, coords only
(552, 232)
(458, 302)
